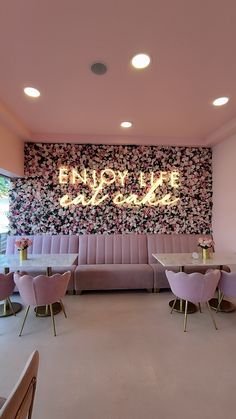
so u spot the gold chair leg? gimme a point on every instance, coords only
(26, 314)
(53, 321)
(221, 296)
(199, 306)
(173, 306)
(10, 304)
(63, 308)
(211, 314)
(5, 307)
(185, 315)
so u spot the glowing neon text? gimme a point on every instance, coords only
(97, 181)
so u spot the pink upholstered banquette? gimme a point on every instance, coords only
(113, 262)
(116, 261)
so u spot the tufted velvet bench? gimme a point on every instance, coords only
(113, 262)
(49, 244)
(118, 261)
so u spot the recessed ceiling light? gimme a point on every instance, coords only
(220, 101)
(126, 124)
(141, 61)
(32, 92)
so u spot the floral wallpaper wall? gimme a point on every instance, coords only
(78, 189)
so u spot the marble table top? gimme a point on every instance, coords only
(187, 259)
(43, 260)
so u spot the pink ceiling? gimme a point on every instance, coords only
(50, 44)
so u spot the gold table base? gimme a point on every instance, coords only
(5, 311)
(180, 306)
(44, 311)
(225, 306)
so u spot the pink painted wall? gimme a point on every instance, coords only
(12, 153)
(224, 195)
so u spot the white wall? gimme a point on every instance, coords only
(224, 195)
(11, 153)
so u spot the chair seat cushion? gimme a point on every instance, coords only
(113, 276)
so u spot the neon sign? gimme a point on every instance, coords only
(98, 181)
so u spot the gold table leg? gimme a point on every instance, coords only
(225, 306)
(6, 309)
(49, 271)
(43, 311)
(219, 304)
(180, 306)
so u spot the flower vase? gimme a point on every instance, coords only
(206, 254)
(23, 254)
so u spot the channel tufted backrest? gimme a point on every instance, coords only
(46, 244)
(113, 249)
(172, 243)
(11, 248)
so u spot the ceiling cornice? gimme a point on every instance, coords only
(222, 133)
(116, 139)
(13, 123)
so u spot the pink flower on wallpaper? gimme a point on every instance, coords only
(35, 204)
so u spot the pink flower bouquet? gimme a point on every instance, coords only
(205, 243)
(23, 243)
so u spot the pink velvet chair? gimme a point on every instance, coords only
(7, 286)
(227, 286)
(19, 404)
(195, 287)
(42, 290)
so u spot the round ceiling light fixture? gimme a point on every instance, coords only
(32, 92)
(98, 68)
(140, 61)
(220, 101)
(126, 124)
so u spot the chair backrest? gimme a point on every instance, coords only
(49, 289)
(194, 287)
(227, 283)
(112, 249)
(172, 243)
(25, 287)
(42, 289)
(7, 285)
(19, 404)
